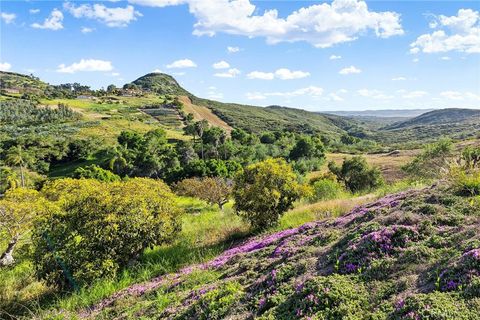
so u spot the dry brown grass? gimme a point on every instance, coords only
(200, 113)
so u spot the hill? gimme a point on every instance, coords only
(457, 124)
(439, 117)
(160, 83)
(17, 83)
(388, 113)
(411, 255)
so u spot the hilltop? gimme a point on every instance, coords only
(439, 117)
(411, 255)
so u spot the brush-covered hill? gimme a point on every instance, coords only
(12, 81)
(457, 124)
(412, 255)
(439, 117)
(251, 118)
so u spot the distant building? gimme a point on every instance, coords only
(85, 97)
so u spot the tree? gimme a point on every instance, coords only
(18, 209)
(200, 128)
(100, 228)
(214, 190)
(432, 162)
(307, 147)
(18, 157)
(95, 172)
(265, 190)
(356, 174)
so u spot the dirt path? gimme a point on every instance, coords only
(200, 113)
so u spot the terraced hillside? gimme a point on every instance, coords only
(412, 255)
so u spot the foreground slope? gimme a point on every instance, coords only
(412, 255)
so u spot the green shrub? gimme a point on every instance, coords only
(326, 189)
(356, 174)
(468, 183)
(265, 190)
(100, 227)
(432, 306)
(95, 172)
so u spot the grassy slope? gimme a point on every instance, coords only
(201, 113)
(385, 260)
(206, 233)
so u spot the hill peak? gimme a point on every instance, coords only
(160, 83)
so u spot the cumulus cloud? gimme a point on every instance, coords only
(334, 57)
(322, 25)
(455, 33)
(221, 65)
(445, 58)
(157, 71)
(182, 63)
(8, 17)
(86, 65)
(261, 75)
(282, 74)
(86, 30)
(350, 70)
(34, 11)
(233, 49)
(112, 17)
(52, 22)
(230, 73)
(312, 91)
(5, 66)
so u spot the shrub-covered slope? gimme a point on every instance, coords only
(412, 255)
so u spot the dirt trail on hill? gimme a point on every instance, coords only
(200, 113)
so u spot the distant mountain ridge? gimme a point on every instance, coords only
(437, 117)
(386, 113)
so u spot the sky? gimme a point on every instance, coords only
(313, 55)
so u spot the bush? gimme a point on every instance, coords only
(100, 228)
(467, 183)
(356, 174)
(212, 190)
(265, 190)
(326, 189)
(432, 162)
(95, 172)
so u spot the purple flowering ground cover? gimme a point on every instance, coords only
(412, 255)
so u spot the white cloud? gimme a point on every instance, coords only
(178, 73)
(282, 74)
(86, 65)
(414, 94)
(335, 97)
(115, 74)
(445, 58)
(112, 17)
(415, 60)
(5, 66)
(233, 49)
(455, 33)
(52, 22)
(399, 79)
(182, 63)
(261, 75)
(157, 71)
(34, 11)
(8, 17)
(321, 25)
(86, 30)
(453, 95)
(221, 65)
(286, 74)
(231, 73)
(350, 70)
(374, 94)
(334, 57)
(312, 91)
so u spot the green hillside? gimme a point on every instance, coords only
(160, 83)
(439, 117)
(412, 255)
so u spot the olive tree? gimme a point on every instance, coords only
(214, 190)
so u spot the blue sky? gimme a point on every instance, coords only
(315, 55)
